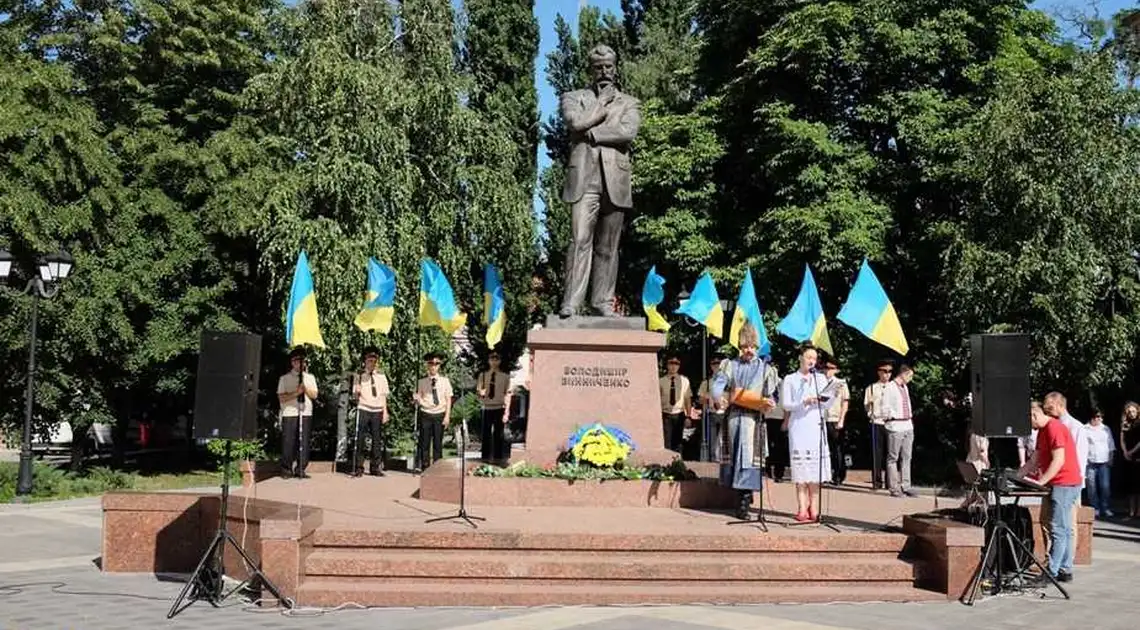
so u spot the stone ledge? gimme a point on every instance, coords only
(441, 483)
(168, 533)
(946, 551)
(587, 322)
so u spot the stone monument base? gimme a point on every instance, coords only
(595, 369)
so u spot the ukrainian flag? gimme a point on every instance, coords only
(869, 311)
(704, 306)
(652, 294)
(805, 322)
(437, 300)
(301, 322)
(748, 310)
(494, 305)
(379, 304)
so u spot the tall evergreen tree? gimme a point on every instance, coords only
(500, 45)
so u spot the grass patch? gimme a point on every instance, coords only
(52, 484)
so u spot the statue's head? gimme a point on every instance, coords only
(603, 65)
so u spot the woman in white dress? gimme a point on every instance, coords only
(804, 396)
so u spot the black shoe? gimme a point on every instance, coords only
(358, 473)
(302, 475)
(286, 474)
(1064, 576)
(378, 473)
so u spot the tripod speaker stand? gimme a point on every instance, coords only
(1003, 538)
(206, 581)
(462, 515)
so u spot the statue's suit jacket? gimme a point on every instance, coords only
(613, 138)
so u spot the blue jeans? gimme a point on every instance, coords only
(1098, 480)
(1062, 529)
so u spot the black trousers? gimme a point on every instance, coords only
(491, 436)
(371, 426)
(778, 457)
(674, 430)
(878, 456)
(835, 446)
(429, 448)
(295, 451)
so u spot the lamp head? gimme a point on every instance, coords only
(5, 264)
(56, 267)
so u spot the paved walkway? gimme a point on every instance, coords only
(49, 580)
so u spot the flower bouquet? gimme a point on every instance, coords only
(600, 445)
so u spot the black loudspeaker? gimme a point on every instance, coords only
(999, 373)
(225, 403)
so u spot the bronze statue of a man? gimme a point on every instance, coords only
(603, 123)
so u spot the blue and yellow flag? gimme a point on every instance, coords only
(704, 306)
(380, 298)
(869, 311)
(437, 300)
(652, 294)
(494, 305)
(805, 322)
(748, 310)
(302, 325)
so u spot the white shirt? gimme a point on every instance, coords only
(796, 387)
(873, 401)
(682, 393)
(288, 384)
(1101, 444)
(1080, 439)
(892, 407)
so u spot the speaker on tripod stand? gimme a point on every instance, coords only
(225, 408)
(1000, 387)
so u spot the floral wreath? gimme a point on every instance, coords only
(600, 445)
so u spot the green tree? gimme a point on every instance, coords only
(500, 45)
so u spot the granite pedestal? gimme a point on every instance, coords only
(595, 369)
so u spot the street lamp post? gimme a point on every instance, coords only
(706, 429)
(52, 270)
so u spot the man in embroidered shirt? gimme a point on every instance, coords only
(676, 403)
(433, 396)
(370, 388)
(899, 423)
(872, 403)
(1057, 467)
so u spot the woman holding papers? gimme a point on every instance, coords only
(805, 395)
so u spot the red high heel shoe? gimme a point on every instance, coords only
(802, 517)
(811, 515)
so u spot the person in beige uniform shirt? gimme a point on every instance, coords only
(835, 417)
(493, 387)
(433, 396)
(370, 389)
(676, 404)
(872, 403)
(296, 390)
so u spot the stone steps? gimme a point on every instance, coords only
(511, 568)
(329, 592)
(570, 565)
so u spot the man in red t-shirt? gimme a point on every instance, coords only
(1058, 468)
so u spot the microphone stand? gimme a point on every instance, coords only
(356, 435)
(462, 514)
(301, 421)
